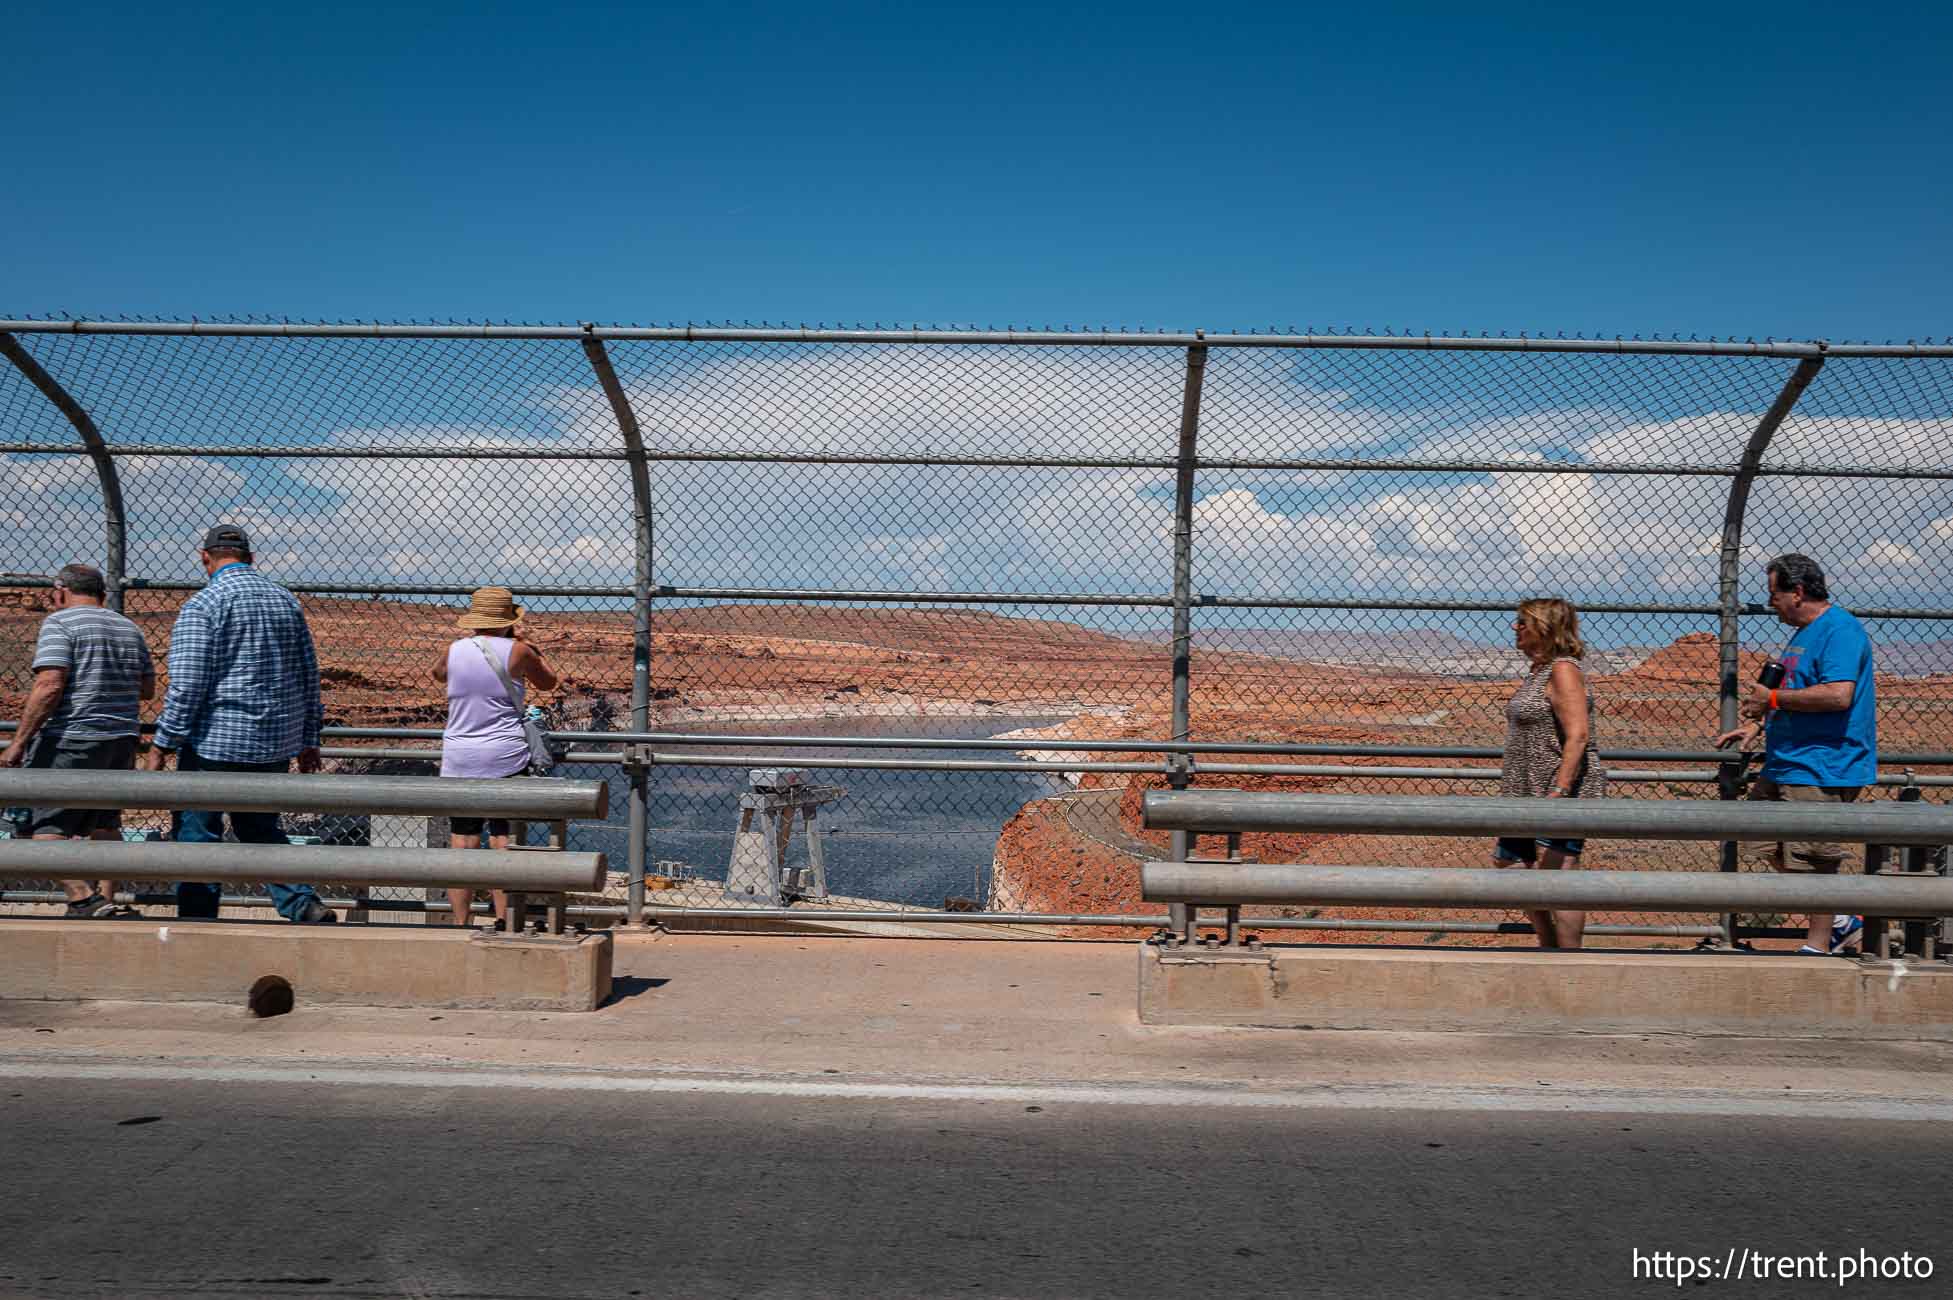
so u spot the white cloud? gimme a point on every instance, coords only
(1889, 553)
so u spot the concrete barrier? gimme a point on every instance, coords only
(1492, 991)
(376, 966)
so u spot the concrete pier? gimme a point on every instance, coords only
(1503, 991)
(361, 965)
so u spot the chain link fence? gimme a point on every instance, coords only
(983, 588)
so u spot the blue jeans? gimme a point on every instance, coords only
(198, 900)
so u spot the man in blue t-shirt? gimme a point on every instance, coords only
(1820, 729)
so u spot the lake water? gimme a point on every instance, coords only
(913, 838)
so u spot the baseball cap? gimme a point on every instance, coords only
(230, 535)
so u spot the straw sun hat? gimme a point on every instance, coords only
(490, 607)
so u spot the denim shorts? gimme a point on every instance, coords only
(1521, 850)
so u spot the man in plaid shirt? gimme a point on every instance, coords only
(243, 697)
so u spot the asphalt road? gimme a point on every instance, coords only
(165, 1187)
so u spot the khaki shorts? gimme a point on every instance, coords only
(1803, 855)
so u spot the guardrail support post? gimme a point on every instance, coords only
(1185, 463)
(1731, 780)
(641, 519)
(115, 560)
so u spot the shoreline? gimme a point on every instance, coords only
(829, 710)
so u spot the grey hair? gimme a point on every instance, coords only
(1799, 572)
(82, 579)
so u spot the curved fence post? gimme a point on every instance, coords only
(633, 436)
(1728, 602)
(1727, 599)
(115, 563)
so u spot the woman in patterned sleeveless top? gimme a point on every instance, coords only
(1549, 747)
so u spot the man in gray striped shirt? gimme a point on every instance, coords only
(91, 670)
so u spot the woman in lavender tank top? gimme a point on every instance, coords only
(484, 736)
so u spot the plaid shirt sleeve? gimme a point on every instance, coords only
(308, 659)
(190, 669)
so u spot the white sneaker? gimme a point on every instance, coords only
(1845, 931)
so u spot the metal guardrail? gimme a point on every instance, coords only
(1897, 768)
(541, 799)
(526, 798)
(430, 868)
(1491, 889)
(681, 739)
(1222, 811)
(1047, 337)
(1233, 884)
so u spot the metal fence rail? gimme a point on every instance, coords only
(1618, 891)
(1223, 811)
(418, 868)
(527, 798)
(1178, 549)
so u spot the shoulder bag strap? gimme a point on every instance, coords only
(500, 672)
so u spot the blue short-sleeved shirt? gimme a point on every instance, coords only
(1838, 748)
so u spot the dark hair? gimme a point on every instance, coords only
(234, 552)
(82, 579)
(1796, 572)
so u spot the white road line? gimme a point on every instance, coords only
(1679, 1101)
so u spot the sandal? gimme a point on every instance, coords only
(96, 908)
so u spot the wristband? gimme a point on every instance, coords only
(1773, 699)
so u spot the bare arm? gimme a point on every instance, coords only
(45, 697)
(1824, 697)
(1747, 734)
(526, 662)
(440, 669)
(1566, 690)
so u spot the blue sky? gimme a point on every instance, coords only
(1707, 171)
(1710, 169)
